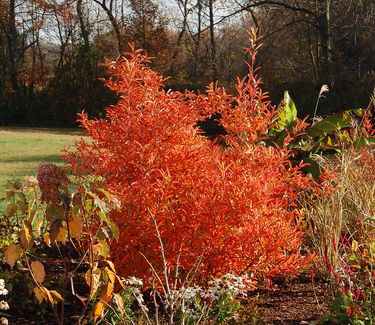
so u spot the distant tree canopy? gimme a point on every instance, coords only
(51, 51)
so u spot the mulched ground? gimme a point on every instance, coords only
(296, 302)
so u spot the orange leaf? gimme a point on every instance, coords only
(75, 227)
(12, 254)
(98, 312)
(47, 239)
(37, 269)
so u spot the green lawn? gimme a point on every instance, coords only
(22, 149)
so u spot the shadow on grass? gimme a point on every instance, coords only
(56, 158)
(61, 131)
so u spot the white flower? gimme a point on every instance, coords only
(192, 313)
(3, 291)
(4, 305)
(133, 281)
(3, 321)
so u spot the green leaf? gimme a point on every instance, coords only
(110, 224)
(364, 142)
(287, 113)
(312, 167)
(22, 204)
(11, 210)
(54, 212)
(88, 205)
(329, 125)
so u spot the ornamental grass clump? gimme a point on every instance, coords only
(233, 207)
(341, 229)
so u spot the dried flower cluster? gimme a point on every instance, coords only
(50, 178)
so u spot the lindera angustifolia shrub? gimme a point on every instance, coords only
(236, 204)
(70, 218)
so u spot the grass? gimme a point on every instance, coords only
(22, 149)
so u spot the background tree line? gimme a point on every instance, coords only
(51, 50)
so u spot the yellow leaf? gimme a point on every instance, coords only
(46, 239)
(28, 230)
(39, 294)
(98, 312)
(354, 246)
(97, 249)
(38, 227)
(106, 292)
(12, 254)
(113, 269)
(110, 275)
(119, 303)
(57, 295)
(42, 293)
(75, 227)
(37, 269)
(111, 265)
(26, 235)
(32, 213)
(92, 280)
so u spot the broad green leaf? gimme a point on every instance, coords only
(329, 125)
(11, 210)
(287, 113)
(110, 224)
(54, 212)
(312, 167)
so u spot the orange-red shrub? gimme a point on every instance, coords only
(234, 206)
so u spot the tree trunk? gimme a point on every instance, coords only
(212, 41)
(12, 43)
(324, 20)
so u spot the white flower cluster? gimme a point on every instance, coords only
(228, 284)
(3, 304)
(3, 290)
(192, 313)
(134, 285)
(191, 292)
(133, 281)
